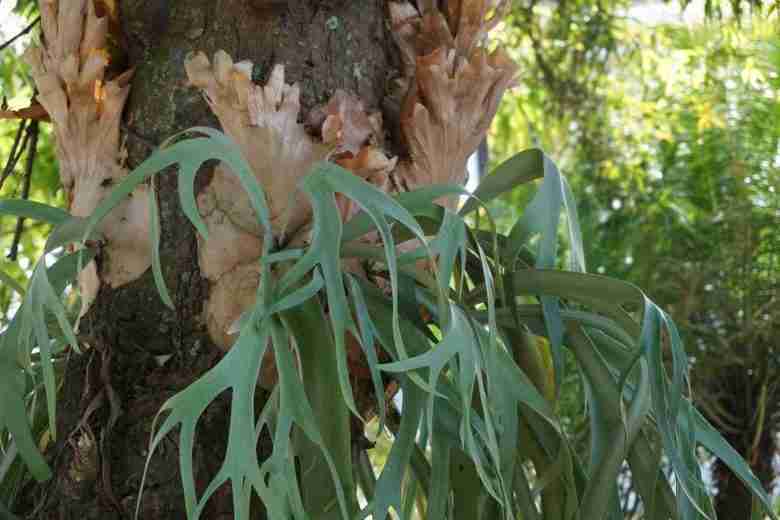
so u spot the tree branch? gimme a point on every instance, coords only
(21, 33)
(34, 111)
(32, 131)
(16, 152)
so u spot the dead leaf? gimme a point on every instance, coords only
(85, 109)
(454, 87)
(343, 122)
(263, 121)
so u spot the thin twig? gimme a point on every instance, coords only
(28, 170)
(22, 33)
(16, 152)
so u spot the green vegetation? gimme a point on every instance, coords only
(670, 136)
(615, 333)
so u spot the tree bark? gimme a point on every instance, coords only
(138, 353)
(734, 500)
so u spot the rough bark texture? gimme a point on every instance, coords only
(140, 353)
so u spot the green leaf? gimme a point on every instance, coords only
(321, 186)
(419, 203)
(236, 371)
(388, 488)
(519, 169)
(154, 231)
(461, 386)
(542, 216)
(318, 358)
(9, 281)
(367, 343)
(13, 417)
(28, 330)
(712, 440)
(611, 433)
(33, 210)
(190, 155)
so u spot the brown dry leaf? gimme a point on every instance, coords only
(454, 88)
(434, 33)
(85, 110)
(470, 21)
(263, 121)
(107, 8)
(463, 26)
(343, 122)
(448, 115)
(234, 293)
(372, 165)
(405, 22)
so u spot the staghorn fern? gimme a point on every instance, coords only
(479, 399)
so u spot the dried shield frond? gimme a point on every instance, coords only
(405, 22)
(343, 121)
(229, 298)
(263, 121)
(470, 21)
(454, 87)
(372, 165)
(234, 239)
(85, 109)
(448, 114)
(460, 24)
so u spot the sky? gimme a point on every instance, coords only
(11, 24)
(655, 12)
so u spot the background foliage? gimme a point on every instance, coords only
(672, 131)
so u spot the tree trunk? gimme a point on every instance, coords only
(140, 352)
(733, 499)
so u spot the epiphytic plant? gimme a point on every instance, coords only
(334, 268)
